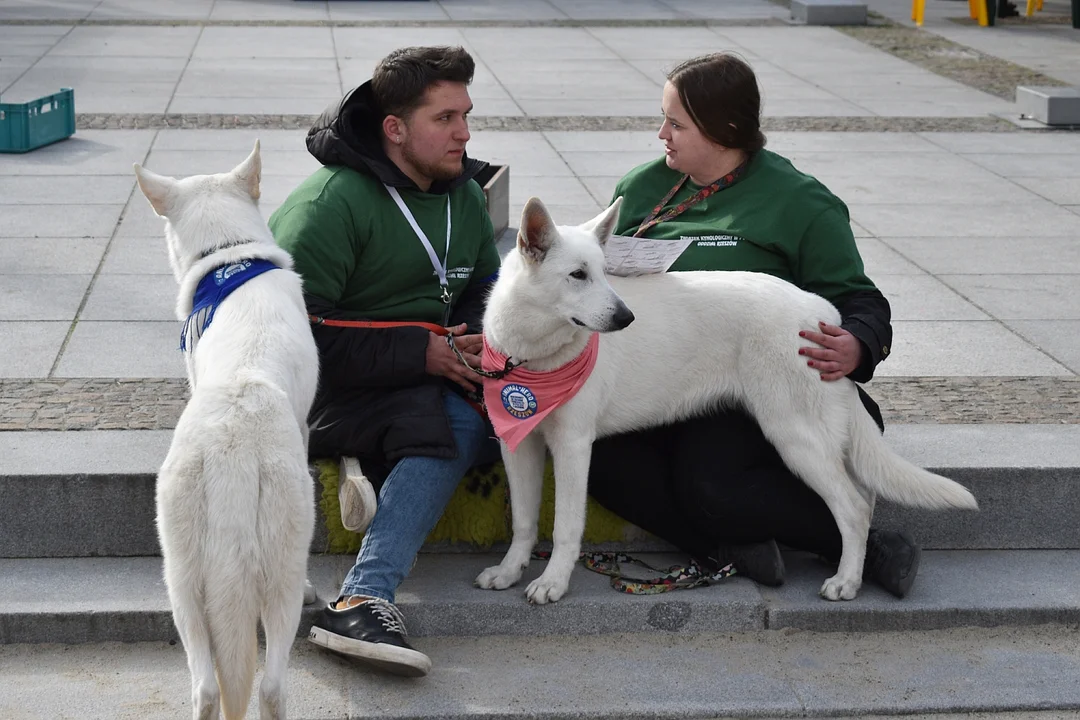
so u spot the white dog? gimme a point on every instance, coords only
(699, 339)
(235, 503)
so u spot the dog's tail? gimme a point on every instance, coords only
(894, 478)
(233, 584)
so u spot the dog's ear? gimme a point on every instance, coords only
(157, 189)
(604, 224)
(249, 173)
(537, 230)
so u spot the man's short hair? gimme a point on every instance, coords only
(402, 77)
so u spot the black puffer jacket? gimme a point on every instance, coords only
(375, 400)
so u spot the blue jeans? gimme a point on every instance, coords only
(412, 500)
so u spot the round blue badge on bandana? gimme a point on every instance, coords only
(519, 401)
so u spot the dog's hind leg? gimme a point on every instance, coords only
(815, 455)
(280, 617)
(827, 476)
(194, 633)
(571, 455)
(525, 477)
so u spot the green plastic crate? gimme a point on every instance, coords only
(29, 125)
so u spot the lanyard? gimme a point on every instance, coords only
(652, 220)
(440, 267)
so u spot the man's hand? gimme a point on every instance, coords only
(840, 352)
(442, 361)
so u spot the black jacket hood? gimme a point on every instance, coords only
(349, 133)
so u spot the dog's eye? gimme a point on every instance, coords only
(579, 275)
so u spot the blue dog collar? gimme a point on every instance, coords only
(212, 290)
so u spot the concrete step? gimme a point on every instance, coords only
(969, 672)
(80, 494)
(79, 600)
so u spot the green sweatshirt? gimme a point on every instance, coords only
(355, 249)
(774, 219)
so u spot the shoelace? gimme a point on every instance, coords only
(388, 615)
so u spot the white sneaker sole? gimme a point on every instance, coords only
(393, 659)
(356, 497)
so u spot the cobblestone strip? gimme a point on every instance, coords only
(155, 404)
(949, 59)
(511, 123)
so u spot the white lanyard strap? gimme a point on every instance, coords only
(440, 268)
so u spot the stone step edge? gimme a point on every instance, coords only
(124, 599)
(110, 452)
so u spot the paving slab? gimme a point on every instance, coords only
(951, 348)
(59, 220)
(132, 298)
(88, 152)
(33, 297)
(47, 256)
(922, 297)
(151, 42)
(880, 259)
(63, 189)
(1022, 297)
(1063, 191)
(133, 9)
(29, 349)
(1058, 338)
(149, 349)
(1032, 218)
(988, 255)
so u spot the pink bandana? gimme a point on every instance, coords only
(519, 401)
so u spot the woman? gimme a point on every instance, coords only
(714, 486)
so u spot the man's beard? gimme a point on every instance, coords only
(431, 170)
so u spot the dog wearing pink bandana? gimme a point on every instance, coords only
(580, 356)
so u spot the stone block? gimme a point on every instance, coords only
(495, 180)
(1050, 105)
(828, 12)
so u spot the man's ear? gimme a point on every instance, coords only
(249, 173)
(537, 231)
(157, 189)
(604, 224)
(394, 129)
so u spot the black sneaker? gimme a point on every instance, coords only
(761, 562)
(892, 560)
(372, 631)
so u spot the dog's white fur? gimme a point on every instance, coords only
(699, 339)
(235, 503)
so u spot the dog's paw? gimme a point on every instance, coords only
(836, 588)
(498, 577)
(546, 589)
(310, 596)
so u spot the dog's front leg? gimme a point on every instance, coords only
(571, 455)
(525, 477)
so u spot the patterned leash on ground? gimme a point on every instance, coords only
(675, 577)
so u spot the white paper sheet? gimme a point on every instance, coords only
(628, 256)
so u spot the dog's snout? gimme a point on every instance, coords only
(623, 316)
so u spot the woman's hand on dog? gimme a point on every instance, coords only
(840, 352)
(442, 361)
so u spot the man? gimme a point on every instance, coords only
(393, 229)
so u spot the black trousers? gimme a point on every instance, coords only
(710, 481)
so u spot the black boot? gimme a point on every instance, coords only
(761, 562)
(892, 560)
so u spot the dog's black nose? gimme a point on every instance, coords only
(623, 316)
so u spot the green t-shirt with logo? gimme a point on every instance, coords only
(774, 219)
(354, 247)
